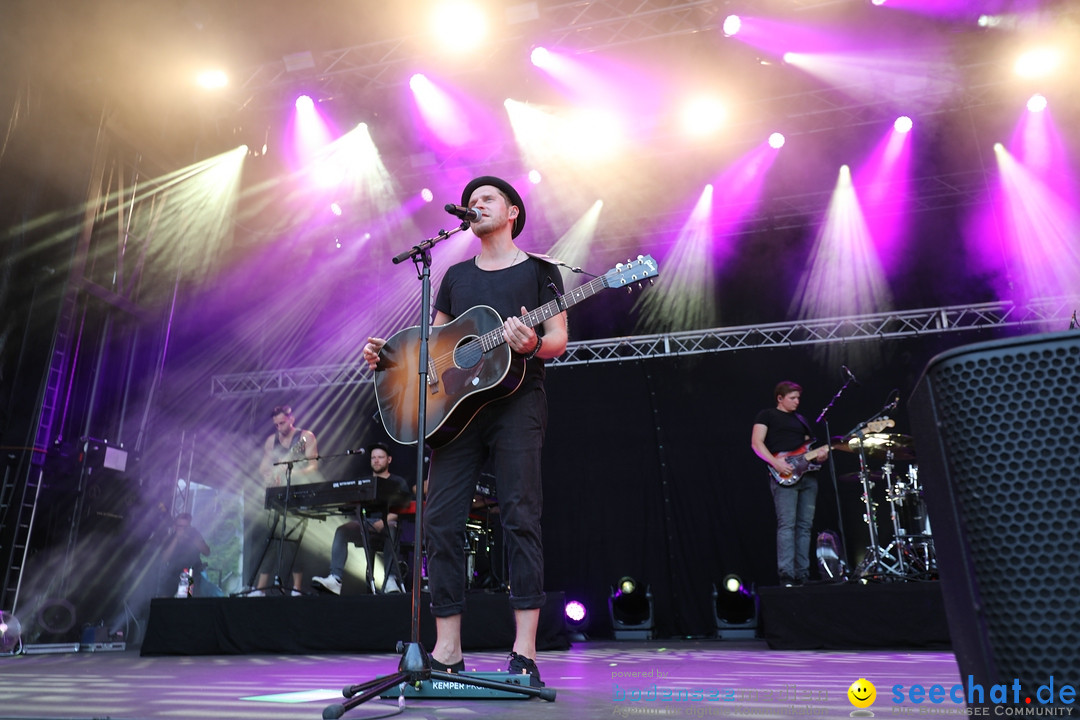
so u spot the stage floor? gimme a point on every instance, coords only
(592, 679)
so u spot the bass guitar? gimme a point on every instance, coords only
(469, 362)
(800, 461)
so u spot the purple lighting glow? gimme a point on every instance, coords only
(575, 611)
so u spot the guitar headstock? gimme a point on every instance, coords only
(633, 271)
(876, 426)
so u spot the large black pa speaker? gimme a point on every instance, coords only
(997, 431)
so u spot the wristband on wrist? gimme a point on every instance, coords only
(539, 344)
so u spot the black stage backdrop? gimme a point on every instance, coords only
(648, 470)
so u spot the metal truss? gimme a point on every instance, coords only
(879, 326)
(1039, 314)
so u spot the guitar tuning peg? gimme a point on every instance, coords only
(640, 258)
(629, 289)
(618, 267)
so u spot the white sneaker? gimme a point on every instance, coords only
(296, 593)
(328, 583)
(256, 593)
(392, 586)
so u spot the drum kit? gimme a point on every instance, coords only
(910, 554)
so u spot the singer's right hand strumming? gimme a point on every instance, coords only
(371, 351)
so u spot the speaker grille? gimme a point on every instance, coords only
(1009, 423)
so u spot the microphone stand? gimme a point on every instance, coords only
(823, 417)
(415, 663)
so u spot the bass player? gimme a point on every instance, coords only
(781, 437)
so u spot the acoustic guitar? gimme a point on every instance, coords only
(469, 362)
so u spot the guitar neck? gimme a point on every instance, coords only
(494, 338)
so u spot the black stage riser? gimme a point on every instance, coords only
(853, 616)
(316, 624)
(996, 427)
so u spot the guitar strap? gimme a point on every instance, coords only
(806, 425)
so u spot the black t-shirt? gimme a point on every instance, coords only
(505, 291)
(787, 431)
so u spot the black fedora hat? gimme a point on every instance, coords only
(515, 199)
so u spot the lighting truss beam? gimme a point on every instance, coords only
(888, 325)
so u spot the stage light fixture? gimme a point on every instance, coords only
(577, 619)
(212, 79)
(304, 102)
(903, 124)
(777, 140)
(1038, 63)
(631, 610)
(735, 608)
(732, 25)
(1037, 103)
(540, 57)
(702, 115)
(10, 634)
(465, 22)
(427, 195)
(535, 177)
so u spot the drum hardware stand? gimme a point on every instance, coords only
(874, 564)
(878, 562)
(891, 496)
(415, 664)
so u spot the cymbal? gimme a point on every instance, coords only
(878, 445)
(854, 477)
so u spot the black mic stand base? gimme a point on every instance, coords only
(414, 668)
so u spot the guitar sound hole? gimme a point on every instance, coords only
(468, 353)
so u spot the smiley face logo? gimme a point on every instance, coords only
(862, 693)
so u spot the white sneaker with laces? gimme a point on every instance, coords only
(392, 586)
(328, 583)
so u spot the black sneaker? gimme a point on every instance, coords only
(458, 667)
(521, 665)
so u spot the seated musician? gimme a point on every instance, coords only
(390, 490)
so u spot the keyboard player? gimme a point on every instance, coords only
(372, 522)
(288, 442)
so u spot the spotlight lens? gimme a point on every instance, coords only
(903, 124)
(418, 82)
(575, 611)
(777, 140)
(540, 57)
(627, 585)
(732, 25)
(427, 195)
(535, 177)
(1037, 103)
(304, 102)
(732, 583)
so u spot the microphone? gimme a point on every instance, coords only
(850, 375)
(894, 404)
(465, 213)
